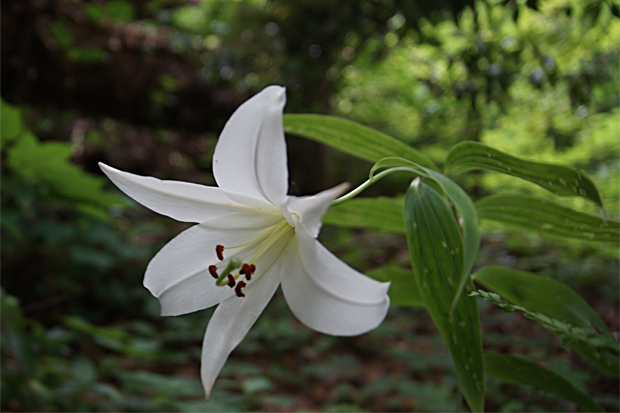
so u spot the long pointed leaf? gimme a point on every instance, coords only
(517, 370)
(547, 217)
(518, 211)
(436, 249)
(461, 201)
(352, 138)
(561, 180)
(556, 300)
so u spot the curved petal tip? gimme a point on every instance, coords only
(277, 92)
(250, 155)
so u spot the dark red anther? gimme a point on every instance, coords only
(231, 281)
(219, 251)
(247, 270)
(238, 288)
(213, 271)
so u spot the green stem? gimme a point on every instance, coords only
(368, 183)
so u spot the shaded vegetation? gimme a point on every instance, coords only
(146, 86)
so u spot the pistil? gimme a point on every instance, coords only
(233, 264)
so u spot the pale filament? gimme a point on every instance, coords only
(236, 266)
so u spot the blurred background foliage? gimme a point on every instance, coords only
(147, 85)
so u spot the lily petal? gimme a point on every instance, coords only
(231, 322)
(326, 294)
(182, 201)
(250, 155)
(179, 276)
(312, 208)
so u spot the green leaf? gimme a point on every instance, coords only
(461, 201)
(79, 324)
(546, 217)
(84, 369)
(94, 211)
(32, 159)
(10, 122)
(561, 180)
(377, 213)
(14, 340)
(517, 370)
(160, 385)
(352, 138)
(49, 163)
(403, 291)
(518, 211)
(61, 33)
(256, 384)
(436, 249)
(556, 300)
(85, 54)
(118, 10)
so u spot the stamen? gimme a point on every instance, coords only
(248, 270)
(213, 271)
(239, 264)
(238, 288)
(219, 251)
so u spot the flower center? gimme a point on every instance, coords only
(243, 262)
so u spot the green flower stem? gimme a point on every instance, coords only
(368, 183)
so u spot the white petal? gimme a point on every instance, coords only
(255, 203)
(178, 275)
(230, 323)
(312, 208)
(250, 155)
(326, 294)
(182, 201)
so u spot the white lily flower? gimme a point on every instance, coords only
(251, 236)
